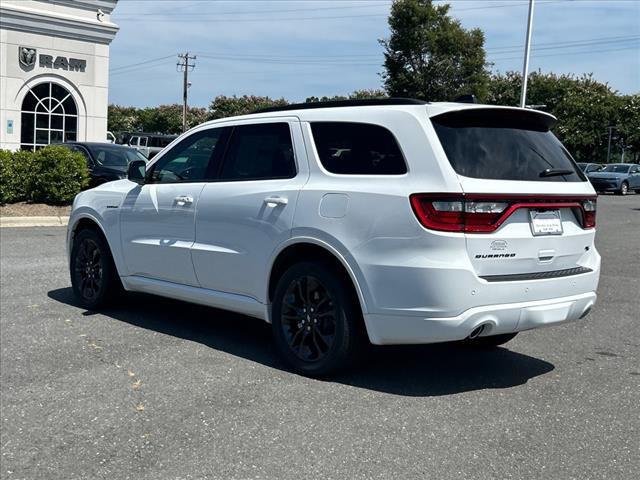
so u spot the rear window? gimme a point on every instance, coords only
(504, 145)
(357, 149)
(260, 151)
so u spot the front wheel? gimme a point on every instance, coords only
(314, 319)
(490, 341)
(94, 277)
(624, 188)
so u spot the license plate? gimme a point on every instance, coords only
(545, 222)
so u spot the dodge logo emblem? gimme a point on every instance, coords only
(27, 56)
(499, 245)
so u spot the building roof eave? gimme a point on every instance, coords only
(64, 26)
(106, 6)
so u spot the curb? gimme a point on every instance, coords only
(53, 221)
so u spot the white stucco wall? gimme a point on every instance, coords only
(89, 88)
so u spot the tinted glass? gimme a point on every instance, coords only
(160, 141)
(115, 157)
(617, 168)
(188, 161)
(504, 145)
(357, 149)
(259, 152)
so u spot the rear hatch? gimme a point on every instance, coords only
(527, 210)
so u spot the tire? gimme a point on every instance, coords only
(624, 188)
(94, 277)
(315, 345)
(490, 341)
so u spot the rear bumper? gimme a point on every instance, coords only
(506, 318)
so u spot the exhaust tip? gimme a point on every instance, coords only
(586, 311)
(475, 333)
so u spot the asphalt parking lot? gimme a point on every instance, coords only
(162, 389)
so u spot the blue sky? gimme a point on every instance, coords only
(295, 49)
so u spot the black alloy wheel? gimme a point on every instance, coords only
(88, 269)
(94, 277)
(316, 320)
(308, 318)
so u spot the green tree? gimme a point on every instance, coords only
(356, 95)
(162, 119)
(628, 125)
(168, 118)
(223, 106)
(122, 119)
(429, 55)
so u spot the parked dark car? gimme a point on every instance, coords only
(591, 167)
(106, 161)
(617, 177)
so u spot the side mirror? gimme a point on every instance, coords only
(137, 171)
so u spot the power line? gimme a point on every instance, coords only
(254, 12)
(212, 16)
(629, 47)
(624, 41)
(122, 67)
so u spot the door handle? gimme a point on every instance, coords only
(275, 201)
(182, 200)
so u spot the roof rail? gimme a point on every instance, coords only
(364, 102)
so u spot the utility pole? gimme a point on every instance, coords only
(184, 65)
(609, 145)
(527, 50)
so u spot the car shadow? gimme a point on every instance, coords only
(416, 370)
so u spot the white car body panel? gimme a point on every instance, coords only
(415, 285)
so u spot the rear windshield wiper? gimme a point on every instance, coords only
(553, 172)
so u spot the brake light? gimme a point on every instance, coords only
(482, 214)
(589, 213)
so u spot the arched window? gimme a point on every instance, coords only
(49, 115)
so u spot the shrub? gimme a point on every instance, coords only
(6, 192)
(16, 172)
(58, 175)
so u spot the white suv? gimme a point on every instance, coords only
(395, 220)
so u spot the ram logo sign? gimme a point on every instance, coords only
(27, 57)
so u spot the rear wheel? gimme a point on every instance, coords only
(94, 277)
(490, 341)
(315, 319)
(624, 188)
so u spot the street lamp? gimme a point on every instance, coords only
(527, 50)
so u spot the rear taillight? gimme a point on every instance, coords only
(482, 214)
(589, 213)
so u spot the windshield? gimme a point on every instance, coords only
(117, 157)
(504, 145)
(617, 168)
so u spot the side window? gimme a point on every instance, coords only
(357, 149)
(190, 159)
(76, 148)
(259, 152)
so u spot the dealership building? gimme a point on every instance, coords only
(54, 71)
